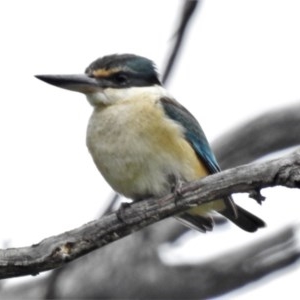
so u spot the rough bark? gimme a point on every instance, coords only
(131, 268)
(136, 272)
(55, 251)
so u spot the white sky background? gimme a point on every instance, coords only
(241, 58)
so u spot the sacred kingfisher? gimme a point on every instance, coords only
(142, 140)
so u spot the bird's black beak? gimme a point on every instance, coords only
(78, 83)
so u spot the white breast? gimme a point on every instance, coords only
(136, 147)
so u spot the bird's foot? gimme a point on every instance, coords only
(121, 212)
(176, 188)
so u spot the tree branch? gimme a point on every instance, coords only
(188, 10)
(278, 129)
(55, 251)
(203, 280)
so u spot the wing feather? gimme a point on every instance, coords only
(196, 137)
(193, 132)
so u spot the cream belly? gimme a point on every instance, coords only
(137, 148)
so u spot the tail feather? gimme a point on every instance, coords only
(244, 219)
(239, 216)
(198, 222)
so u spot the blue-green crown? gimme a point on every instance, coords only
(141, 70)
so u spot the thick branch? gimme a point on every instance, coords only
(271, 131)
(55, 251)
(212, 277)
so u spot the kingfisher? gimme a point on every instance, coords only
(144, 142)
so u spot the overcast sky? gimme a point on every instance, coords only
(241, 58)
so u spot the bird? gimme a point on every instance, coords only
(143, 141)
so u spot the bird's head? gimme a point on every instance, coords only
(109, 78)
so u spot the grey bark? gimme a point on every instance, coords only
(55, 251)
(130, 268)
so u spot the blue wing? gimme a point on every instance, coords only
(196, 137)
(193, 132)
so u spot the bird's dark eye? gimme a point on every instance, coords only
(120, 78)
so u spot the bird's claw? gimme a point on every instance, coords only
(120, 213)
(177, 190)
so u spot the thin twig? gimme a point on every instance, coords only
(187, 12)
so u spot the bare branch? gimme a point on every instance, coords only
(271, 131)
(197, 281)
(233, 269)
(55, 251)
(187, 12)
(148, 274)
